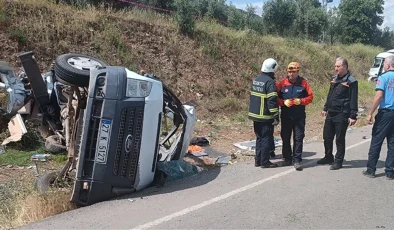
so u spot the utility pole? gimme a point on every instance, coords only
(324, 5)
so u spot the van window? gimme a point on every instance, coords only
(377, 62)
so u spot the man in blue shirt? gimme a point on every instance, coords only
(384, 121)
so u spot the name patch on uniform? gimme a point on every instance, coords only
(391, 85)
(259, 83)
(258, 89)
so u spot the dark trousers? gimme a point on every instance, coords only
(264, 138)
(382, 128)
(272, 144)
(335, 126)
(295, 128)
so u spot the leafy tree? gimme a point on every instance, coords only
(334, 28)
(279, 16)
(201, 7)
(236, 18)
(250, 13)
(360, 19)
(217, 9)
(311, 20)
(316, 22)
(184, 16)
(385, 38)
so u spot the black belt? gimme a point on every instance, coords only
(386, 110)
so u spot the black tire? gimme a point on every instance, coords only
(75, 74)
(49, 181)
(52, 145)
(45, 182)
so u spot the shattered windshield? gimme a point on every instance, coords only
(377, 62)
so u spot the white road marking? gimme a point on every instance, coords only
(227, 195)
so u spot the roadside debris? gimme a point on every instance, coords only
(225, 160)
(362, 111)
(251, 145)
(178, 169)
(206, 156)
(199, 141)
(17, 129)
(40, 157)
(196, 151)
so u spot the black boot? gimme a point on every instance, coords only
(287, 162)
(269, 165)
(298, 166)
(369, 174)
(336, 166)
(326, 160)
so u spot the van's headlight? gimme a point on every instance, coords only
(138, 88)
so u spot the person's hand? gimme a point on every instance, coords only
(352, 121)
(297, 101)
(289, 102)
(369, 119)
(324, 113)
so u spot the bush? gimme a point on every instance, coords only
(184, 17)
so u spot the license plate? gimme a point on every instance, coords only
(103, 141)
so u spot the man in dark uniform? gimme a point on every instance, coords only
(384, 121)
(340, 110)
(263, 110)
(294, 94)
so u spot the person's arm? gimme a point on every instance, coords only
(380, 86)
(280, 96)
(353, 100)
(272, 97)
(307, 100)
(324, 112)
(376, 101)
(328, 96)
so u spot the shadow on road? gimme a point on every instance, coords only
(360, 164)
(278, 159)
(177, 185)
(346, 164)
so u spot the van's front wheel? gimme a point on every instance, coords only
(75, 68)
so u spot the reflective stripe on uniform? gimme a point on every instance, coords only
(261, 116)
(262, 96)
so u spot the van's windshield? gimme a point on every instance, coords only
(377, 62)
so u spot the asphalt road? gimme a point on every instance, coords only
(242, 196)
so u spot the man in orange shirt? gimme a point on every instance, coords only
(294, 94)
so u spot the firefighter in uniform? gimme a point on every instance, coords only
(294, 94)
(263, 111)
(340, 110)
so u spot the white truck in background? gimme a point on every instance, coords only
(377, 66)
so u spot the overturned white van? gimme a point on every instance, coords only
(377, 67)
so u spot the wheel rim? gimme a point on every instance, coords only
(83, 63)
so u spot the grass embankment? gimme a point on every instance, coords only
(214, 67)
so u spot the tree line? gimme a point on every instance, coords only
(353, 21)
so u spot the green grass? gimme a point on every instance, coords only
(17, 157)
(22, 158)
